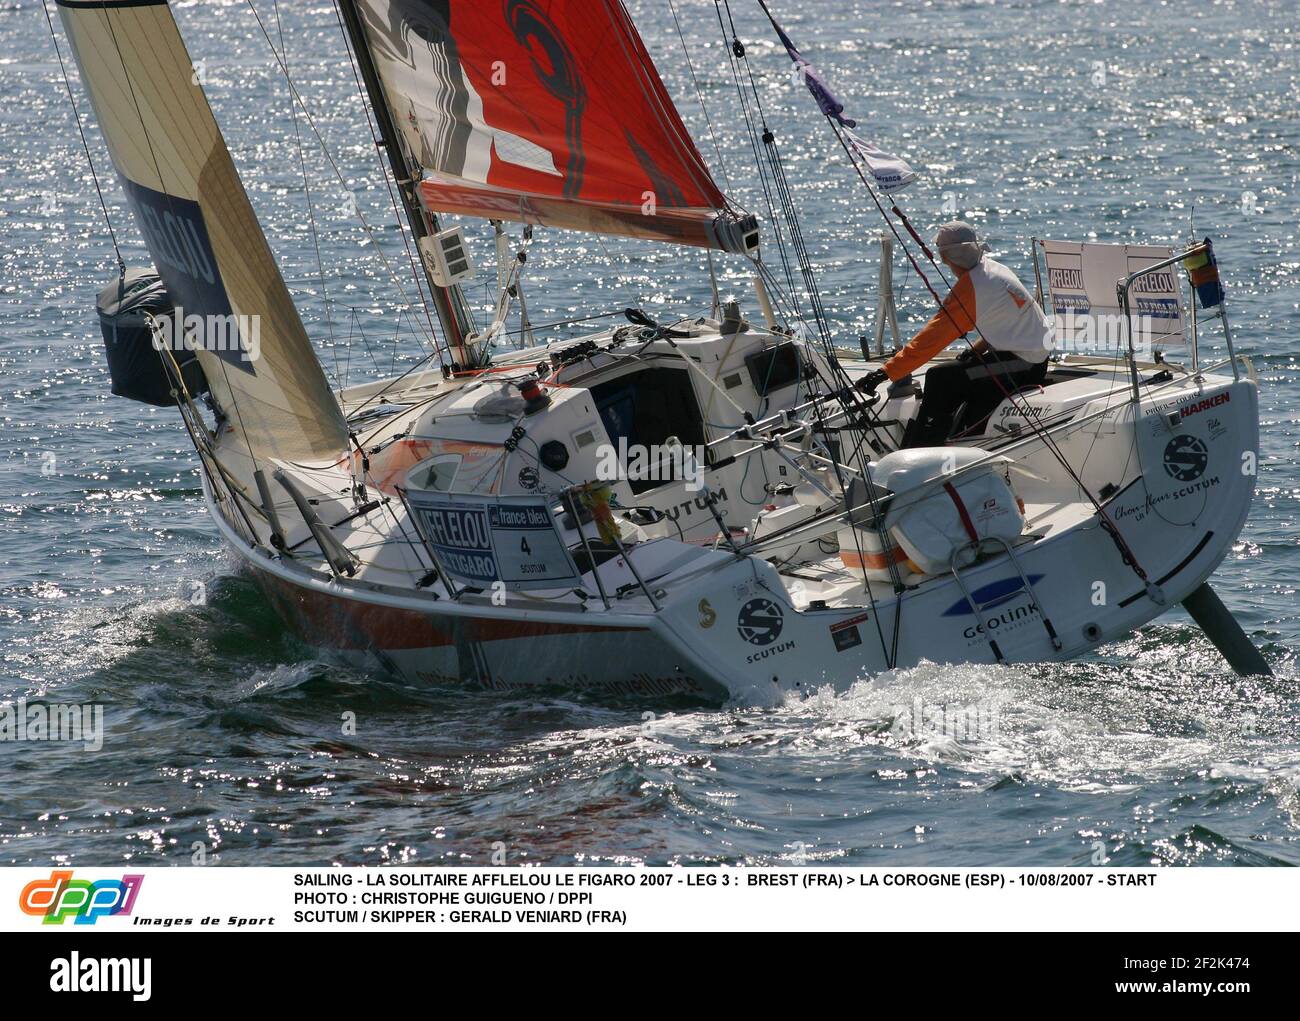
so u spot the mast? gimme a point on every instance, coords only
(448, 302)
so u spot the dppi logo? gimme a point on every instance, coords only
(1186, 458)
(760, 621)
(61, 897)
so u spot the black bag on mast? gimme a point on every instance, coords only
(137, 368)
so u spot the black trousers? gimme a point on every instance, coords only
(980, 383)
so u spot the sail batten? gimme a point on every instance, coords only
(197, 222)
(544, 111)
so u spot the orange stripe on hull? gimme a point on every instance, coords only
(336, 622)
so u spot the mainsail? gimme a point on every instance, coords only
(544, 111)
(200, 228)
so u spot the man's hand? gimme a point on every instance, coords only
(868, 383)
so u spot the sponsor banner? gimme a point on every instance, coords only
(1081, 279)
(485, 540)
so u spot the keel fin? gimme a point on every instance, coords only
(1222, 629)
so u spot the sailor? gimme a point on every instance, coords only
(1010, 352)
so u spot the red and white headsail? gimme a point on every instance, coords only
(544, 111)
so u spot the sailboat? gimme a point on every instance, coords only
(707, 507)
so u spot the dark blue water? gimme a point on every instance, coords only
(1115, 121)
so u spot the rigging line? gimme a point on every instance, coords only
(311, 211)
(785, 193)
(921, 273)
(329, 156)
(392, 382)
(875, 424)
(779, 167)
(347, 366)
(383, 171)
(568, 322)
(789, 289)
(397, 339)
(194, 426)
(628, 281)
(369, 350)
(797, 239)
(788, 205)
(384, 506)
(67, 84)
(538, 460)
(1096, 436)
(790, 210)
(729, 45)
(699, 95)
(856, 442)
(878, 519)
(741, 55)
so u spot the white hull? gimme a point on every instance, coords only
(694, 646)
